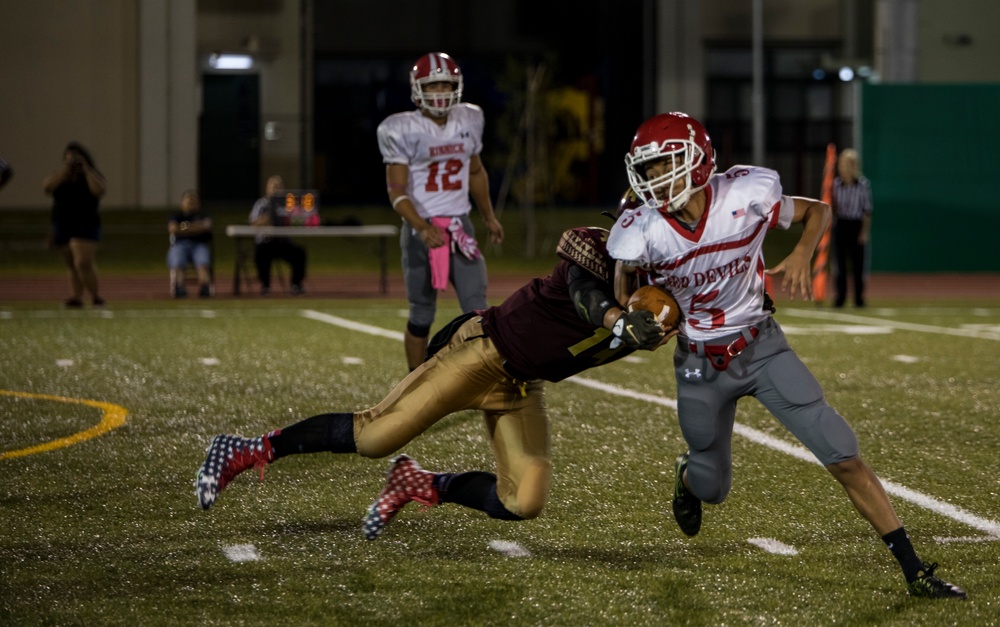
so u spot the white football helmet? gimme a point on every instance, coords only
(435, 67)
(682, 139)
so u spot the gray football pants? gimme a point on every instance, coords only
(467, 276)
(769, 370)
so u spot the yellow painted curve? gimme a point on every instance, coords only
(112, 418)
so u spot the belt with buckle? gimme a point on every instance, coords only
(519, 379)
(721, 354)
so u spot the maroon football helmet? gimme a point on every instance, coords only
(629, 200)
(683, 140)
(435, 67)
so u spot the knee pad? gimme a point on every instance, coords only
(836, 441)
(709, 480)
(418, 330)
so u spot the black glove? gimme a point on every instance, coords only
(768, 303)
(638, 329)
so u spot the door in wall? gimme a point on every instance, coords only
(229, 140)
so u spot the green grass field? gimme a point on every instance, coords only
(106, 530)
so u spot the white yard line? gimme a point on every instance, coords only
(758, 437)
(510, 549)
(890, 324)
(241, 553)
(773, 546)
(802, 453)
(351, 325)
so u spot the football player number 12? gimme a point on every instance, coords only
(448, 170)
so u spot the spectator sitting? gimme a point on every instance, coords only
(190, 235)
(267, 249)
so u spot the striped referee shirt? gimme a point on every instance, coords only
(852, 202)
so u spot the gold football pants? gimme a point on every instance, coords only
(468, 374)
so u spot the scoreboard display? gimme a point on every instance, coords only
(295, 207)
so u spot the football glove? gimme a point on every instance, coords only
(462, 241)
(638, 329)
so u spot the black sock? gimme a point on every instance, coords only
(899, 543)
(325, 432)
(475, 490)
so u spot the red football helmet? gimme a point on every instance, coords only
(681, 139)
(435, 67)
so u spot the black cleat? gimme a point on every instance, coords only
(929, 586)
(687, 507)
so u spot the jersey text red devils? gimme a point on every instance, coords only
(698, 279)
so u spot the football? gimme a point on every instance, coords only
(658, 301)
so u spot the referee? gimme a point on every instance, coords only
(852, 219)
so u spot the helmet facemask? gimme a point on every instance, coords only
(684, 157)
(436, 103)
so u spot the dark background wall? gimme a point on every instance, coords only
(363, 53)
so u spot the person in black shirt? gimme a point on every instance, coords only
(267, 248)
(496, 360)
(76, 190)
(190, 237)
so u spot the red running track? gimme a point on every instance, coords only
(119, 288)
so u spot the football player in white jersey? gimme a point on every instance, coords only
(432, 167)
(700, 235)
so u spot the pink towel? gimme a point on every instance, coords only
(439, 257)
(455, 240)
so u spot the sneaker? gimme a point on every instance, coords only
(205, 290)
(98, 302)
(179, 291)
(297, 290)
(929, 586)
(73, 303)
(228, 456)
(687, 507)
(406, 481)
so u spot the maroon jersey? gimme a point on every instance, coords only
(539, 332)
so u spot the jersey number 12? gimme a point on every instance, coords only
(449, 173)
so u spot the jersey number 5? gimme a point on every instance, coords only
(699, 305)
(449, 171)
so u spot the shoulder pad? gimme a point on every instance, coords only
(587, 248)
(627, 241)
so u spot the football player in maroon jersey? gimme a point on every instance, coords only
(496, 360)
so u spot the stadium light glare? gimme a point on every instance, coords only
(846, 74)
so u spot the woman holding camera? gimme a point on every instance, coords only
(76, 191)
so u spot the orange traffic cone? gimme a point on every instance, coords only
(820, 261)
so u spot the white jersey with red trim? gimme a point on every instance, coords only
(437, 156)
(716, 271)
